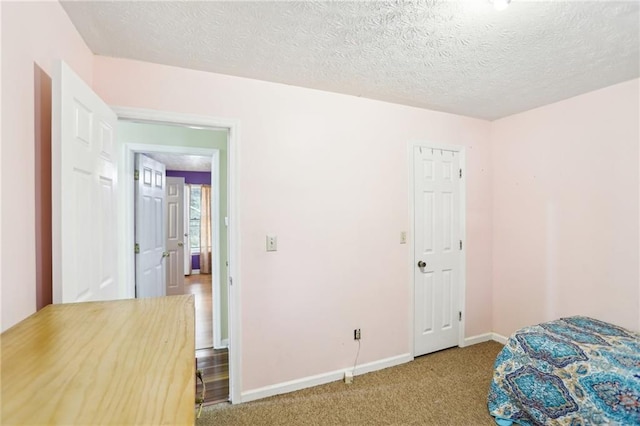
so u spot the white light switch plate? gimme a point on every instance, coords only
(403, 237)
(272, 243)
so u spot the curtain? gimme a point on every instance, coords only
(205, 230)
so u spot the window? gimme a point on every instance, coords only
(194, 219)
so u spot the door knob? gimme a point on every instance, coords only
(165, 254)
(180, 243)
(422, 264)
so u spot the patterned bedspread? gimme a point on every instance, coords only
(573, 371)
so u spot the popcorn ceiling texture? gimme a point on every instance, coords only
(459, 57)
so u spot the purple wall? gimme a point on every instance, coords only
(199, 178)
(196, 178)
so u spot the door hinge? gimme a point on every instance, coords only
(460, 173)
(460, 244)
(460, 316)
(230, 281)
(136, 248)
(136, 175)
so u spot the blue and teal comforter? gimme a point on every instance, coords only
(573, 371)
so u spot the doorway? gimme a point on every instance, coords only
(195, 252)
(125, 216)
(107, 223)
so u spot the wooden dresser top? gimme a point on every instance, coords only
(119, 362)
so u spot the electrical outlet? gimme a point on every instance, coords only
(348, 377)
(356, 334)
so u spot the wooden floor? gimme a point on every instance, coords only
(200, 286)
(214, 363)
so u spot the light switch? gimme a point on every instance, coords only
(403, 237)
(272, 243)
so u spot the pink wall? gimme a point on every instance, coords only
(565, 211)
(552, 201)
(33, 34)
(328, 174)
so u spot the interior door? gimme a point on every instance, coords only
(437, 249)
(150, 227)
(84, 192)
(175, 235)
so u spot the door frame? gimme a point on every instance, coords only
(125, 242)
(463, 209)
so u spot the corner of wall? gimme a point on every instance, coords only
(491, 141)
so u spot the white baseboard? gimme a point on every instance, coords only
(195, 272)
(223, 344)
(499, 338)
(480, 338)
(321, 379)
(381, 364)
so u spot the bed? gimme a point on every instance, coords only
(572, 371)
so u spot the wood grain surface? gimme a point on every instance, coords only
(119, 362)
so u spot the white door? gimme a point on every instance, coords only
(437, 249)
(150, 226)
(84, 192)
(175, 235)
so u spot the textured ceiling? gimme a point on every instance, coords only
(461, 57)
(183, 162)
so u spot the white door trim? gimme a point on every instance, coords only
(215, 227)
(233, 167)
(463, 208)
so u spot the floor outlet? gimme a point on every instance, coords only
(348, 377)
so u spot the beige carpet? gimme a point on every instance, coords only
(445, 388)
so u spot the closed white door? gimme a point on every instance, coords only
(150, 226)
(437, 249)
(84, 192)
(175, 235)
